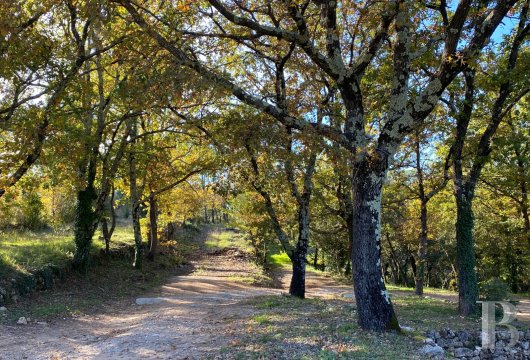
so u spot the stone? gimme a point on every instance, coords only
(463, 352)
(499, 351)
(3, 308)
(464, 336)
(432, 351)
(500, 344)
(504, 335)
(442, 342)
(22, 321)
(150, 301)
(433, 334)
(429, 341)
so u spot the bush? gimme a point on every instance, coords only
(494, 289)
(32, 211)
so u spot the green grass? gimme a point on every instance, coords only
(122, 236)
(289, 328)
(428, 313)
(219, 238)
(24, 251)
(113, 279)
(426, 290)
(523, 295)
(261, 319)
(279, 260)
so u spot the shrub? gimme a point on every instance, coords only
(494, 289)
(32, 211)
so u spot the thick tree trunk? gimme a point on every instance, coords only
(297, 287)
(422, 251)
(465, 255)
(84, 228)
(153, 228)
(375, 311)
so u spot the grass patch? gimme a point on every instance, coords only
(113, 278)
(26, 251)
(261, 319)
(327, 329)
(285, 327)
(279, 260)
(523, 295)
(426, 290)
(219, 238)
(429, 313)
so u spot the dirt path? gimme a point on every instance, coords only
(190, 317)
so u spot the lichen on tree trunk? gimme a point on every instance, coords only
(374, 307)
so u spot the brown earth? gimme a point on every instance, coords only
(190, 317)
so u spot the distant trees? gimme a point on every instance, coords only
(325, 38)
(316, 106)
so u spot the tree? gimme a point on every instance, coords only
(28, 89)
(427, 184)
(344, 62)
(507, 94)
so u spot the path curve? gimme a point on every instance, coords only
(190, 317)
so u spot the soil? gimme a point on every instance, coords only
(192, 316)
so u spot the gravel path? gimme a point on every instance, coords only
(190, 317)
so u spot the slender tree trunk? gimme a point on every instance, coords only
(521, 165)
(297, 287)
(526, 219)
(315, 259)
(135, 203)
(373, 301)
(414, 269)
(465, 255)
(107, 232)
(398, 269)
(422, 251)
(153, 224)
